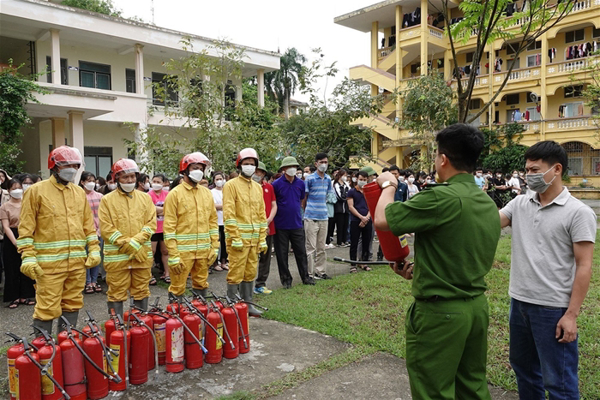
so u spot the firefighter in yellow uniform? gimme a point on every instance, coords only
(245, 227)
(127, 220)
(191, 230)
(56, 226)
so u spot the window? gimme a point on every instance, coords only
(510, 115)
(535, 46)
(511, 48)
(64, 71)
(98, 160)
(573, 91)
(414, 68)
(512, 99)
(475, 104)
(470, 57)
(130, 80)
(570, 110)
(517, 62)
(93, 75)
(534, 60)
(534, 115)
(440, 63)
(169, 84)
(575, 165)
(595, 32)
(574, 36)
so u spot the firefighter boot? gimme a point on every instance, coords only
(71, 316)
(115, 305)
(200, 292)
(246, 289)
(232, 289)
(174, 299)
(143, 304)
(46, 325)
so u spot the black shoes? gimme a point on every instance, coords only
(309, 281)
(322, 276)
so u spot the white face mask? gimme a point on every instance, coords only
(97, 186)
(26, 186)
(248, 170)
(515, 176)
(401, 179)
(299, 175)
(411, 180)
(479, 174)
(166, 188)
(354, 179)
(196, 175)
(67, 174)
(219, 183)
(16, 193)
(344, 178)
(291, 171)
(256, 178)
(90, 186)
(112, 186)
(322, 167)
(147, 186)
(306, 174)
(361, 183)
(157, 187)
(128, 187)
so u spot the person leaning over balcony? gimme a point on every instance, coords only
(446, 326)
(553, 236)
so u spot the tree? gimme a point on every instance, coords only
(591, 94)
(15, 91)
(502, 150)
(428, 106)
(282, 84)
(487, 20)
(105, 7)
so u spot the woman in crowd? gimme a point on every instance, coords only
(143, 183)
(109, 186)
(514, 183)
(341, 188)
(360, 221)
(18, 289)
(158, 196)
(412, 187)
(88, 183)
(217, 192)
(26, 181)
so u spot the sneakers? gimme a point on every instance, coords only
(262, 290)
(309, 281)
(322, 276)
(330, 246)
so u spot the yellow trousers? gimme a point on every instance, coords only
(242, 264)
(199, 270)
(135, 281)
(55, 293)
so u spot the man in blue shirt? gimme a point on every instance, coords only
(318, 185)
(402, 192)
(479, 179)
(289, 193)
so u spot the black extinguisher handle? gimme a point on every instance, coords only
(50, 341)
(43, 369)
(192, 307)
(14, 338)
(224, 326)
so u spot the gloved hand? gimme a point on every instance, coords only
(239, 246)
(130, 248)
(32, 270)
(92, 261)
(263, 248)
(212, 257)
(141, 255)
(176, 269)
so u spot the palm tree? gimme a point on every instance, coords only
(282, 84)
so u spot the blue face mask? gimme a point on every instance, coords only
(537, 183)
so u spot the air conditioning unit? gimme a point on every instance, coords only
(534, 97)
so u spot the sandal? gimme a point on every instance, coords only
(14, 304)
(29, 302)
(98, 289)
(225, 267)
(89, 289)
(353, 270)
(365, 268)
(166, 279)
(218, 268)
(152, 281)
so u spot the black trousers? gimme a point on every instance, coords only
(357, 232)
(341, 220)
(17, 285)
(223, 248)
(330, 228)
(264, 264)
(283, 238)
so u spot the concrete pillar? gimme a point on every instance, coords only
(448, 65)
(398, 58)
(76, 128)
(58, 131)
(374, 43)
(424, 36)
(260, 80)
(139, 68)
(543, 96)
(55, 48)
(141, 156)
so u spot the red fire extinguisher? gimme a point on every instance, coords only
(28, 375)
(242, 310)
(12, 354)
(394, 248)
(143, 320)
(138, 363)
(193, 352)
(94, 347)
(200, 304)
(63, 335)
(120, 343)
(231, 326)
(174, 344)
(242, 340)
(52, 372)
(73, 369)
(213, 339)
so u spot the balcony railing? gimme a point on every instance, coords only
(384, 52)
(582, 122)
(481, 80)
(436, 32)
(570, 66)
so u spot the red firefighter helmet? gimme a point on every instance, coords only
(193, 158)
(124, 165)
(246, 153)
(63, 155)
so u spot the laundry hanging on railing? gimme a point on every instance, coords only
(412, 19)
(580, 50)
(552, 53)
(498, 65)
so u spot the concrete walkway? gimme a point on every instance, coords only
(277, 350)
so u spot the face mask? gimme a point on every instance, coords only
(427, 181)
(127, 187)
(515, 176)
(248, 170)
(256, 178)
(112, 186)
(220, 183)
(401, 179)
(521, 174)
(16, 193)
(537, 183)
(291, 171)
(361, 183)
(411, 180)
(479, 174)
(344, 179)
(67, 174)
(166, 188)
(299, 175)
(26, 186)
(89, 186)
(499, 176)
(97, 186)
(354, 179)
(157, 187)
(196, 175)
(322, 167)
(146, 186)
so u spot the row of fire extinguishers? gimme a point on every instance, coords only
(85, 364)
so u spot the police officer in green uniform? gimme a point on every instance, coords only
(456, 228)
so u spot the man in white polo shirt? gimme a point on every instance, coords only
(551, 266)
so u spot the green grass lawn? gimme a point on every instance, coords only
(367, 309)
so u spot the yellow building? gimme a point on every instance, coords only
(406, 39)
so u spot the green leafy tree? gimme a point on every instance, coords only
(282, 84)
(15, 91)
(591, 93)
(488, 22)
(105, 7)
(502, 150)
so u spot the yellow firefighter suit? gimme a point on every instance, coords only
(55, 228)
(191, 233)
(245, 227)
(127, 220)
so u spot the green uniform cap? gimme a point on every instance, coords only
(369, 170)
(261, 166)
(289, 162)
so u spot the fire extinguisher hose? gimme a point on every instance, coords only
(142, 323)
(237, 315)
(187, 328)
(108, 353)
(122, 328)
(251, 303)
(192, 307)
(224, 326)
(44, 370)
(339, 259)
